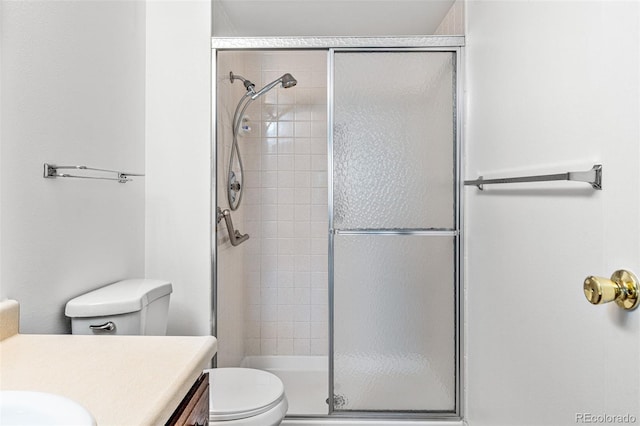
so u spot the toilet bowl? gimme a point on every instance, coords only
(237, 396)
(245, 397)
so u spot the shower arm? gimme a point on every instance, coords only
(235, 237)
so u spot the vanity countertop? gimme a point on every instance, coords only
(121, 380)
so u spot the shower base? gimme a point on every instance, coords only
(305, 379)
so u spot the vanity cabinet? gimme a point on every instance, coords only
(194, 408)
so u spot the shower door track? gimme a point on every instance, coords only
(454, 44)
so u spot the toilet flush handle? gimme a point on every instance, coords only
(107, 326)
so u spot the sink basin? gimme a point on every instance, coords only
(40, 408)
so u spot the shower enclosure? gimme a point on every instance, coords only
(348, 285)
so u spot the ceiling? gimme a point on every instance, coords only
(270, 18)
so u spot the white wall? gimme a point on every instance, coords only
(72, 93)
(178, 158)
(551, 86)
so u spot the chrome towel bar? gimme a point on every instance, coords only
(51, 171)
(593, 177)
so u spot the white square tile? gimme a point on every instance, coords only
(286, 146)
(252, 329)
(319, 296)
(252, 346)
(319, 114)
(285, 330)
(269, 313)
(286, 130)
(303, 95)
(270, 229)
(269, 279)
(303, 113)
(269, 330)
(285, 347)
(285, 230)
(285, 313)
(286, 96)
(285, 246)
(301, 346)
(302, 179)
(302, 213)
(285, 162)
(302, 129)
(252, 179)
(270, 146)
(302, 196)
(270, 162)
(269, 263)
(318, 96)
(269, 296)
(318, 162)
(318, 146)
(302, 279)
(318, 229)
(302, 263)
(251, 162)
(268, 347)
(285, 279)
(319, 246)
(285, 263)
(301, 312)
(285, 296)
(302, 162)
(318, 347)
(319, 330)
(302, 146)
(319, 263)
(270, 179)
(301, 330)
(301, 230)
(253, 297)
(269, 129)
(286, 179)
(286, 211)
(319, 196)
(254, 312)
(319, 79)
(302, 246)
(319, 179)
(269, 245)
(269, 213)
(319, 313)
(285, 112)
(269, 113)
(319, 212)
(302, 296)
(286, 196)
(319, 280)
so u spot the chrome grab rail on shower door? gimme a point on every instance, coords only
(593, 177)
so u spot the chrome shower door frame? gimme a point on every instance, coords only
(331, 45)
(456, 48)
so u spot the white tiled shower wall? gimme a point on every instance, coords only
(285, 205)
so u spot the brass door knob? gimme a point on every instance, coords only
(623, 287)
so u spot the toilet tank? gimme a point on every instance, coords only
(135, 306)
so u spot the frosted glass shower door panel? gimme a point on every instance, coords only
(394, 140)
(394, 316)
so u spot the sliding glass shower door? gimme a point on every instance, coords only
(394, 232)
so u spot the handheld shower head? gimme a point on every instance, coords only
(286, 81)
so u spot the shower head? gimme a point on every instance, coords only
(286, 81)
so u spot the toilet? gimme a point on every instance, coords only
(237, 396)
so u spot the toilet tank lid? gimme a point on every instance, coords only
(120, 297)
